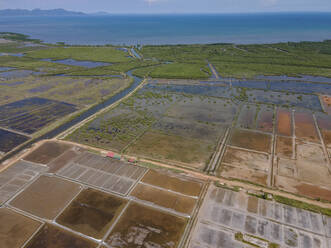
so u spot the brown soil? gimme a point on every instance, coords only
(15, 229)
(284, 122)
(246, 159)
(314, 191)
(326, 101)
(142, 226)
(297, 187)
(53, 237)
(164, 198)
(176, 184)
(61, 161)
(46, 197)
(308, 152)
(243, 174)
(284, 147)
(252, 205)
(305, 127)
(47, 152)
(326, 137)
(247, 118)
(286, 167)
(92, 213)
(161, 146)
(251, 140)
(265, 121)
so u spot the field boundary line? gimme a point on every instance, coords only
(83, 122)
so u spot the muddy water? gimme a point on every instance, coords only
(142, 226)
(92, 213)
(9, 140)
(52, 237)
(247, 117)
(251, 140)
(265, 121)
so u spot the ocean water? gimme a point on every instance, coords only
(174, 29)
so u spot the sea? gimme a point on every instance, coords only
(173, 29)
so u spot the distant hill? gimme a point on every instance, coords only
(39, 12)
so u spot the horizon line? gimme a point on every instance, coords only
(178, 13)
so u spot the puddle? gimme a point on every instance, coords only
(17, 74)
(12, 84)
(12, 54)
(87, 64)
(9, 140)
(123, 49)
(6, 68)
(135, 53)
(300, 78)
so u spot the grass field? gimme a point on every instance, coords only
(102, 54)
(312, 58)
(176, 70)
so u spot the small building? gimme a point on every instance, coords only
(110, 155)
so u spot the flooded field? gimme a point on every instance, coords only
(46, 197)
(108, 174)
(158, 208)
(9, 140)
(92, 213)
(265, 119)
(17, 176)
(227, 215)
(305, 127)
(324, 124)
(144, 226)
(32, 114)
(13, 74)
(251, 140)
(86, 64)
(52, 236)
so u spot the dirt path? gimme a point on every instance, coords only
(191, 173)
(213, 70)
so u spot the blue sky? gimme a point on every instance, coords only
(173, 6)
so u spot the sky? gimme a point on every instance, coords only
(174, 6)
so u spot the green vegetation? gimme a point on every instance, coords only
(17, 37)
(246, 61)
(303, 205)
(240, 237)
(176, 70)
(224, 186)
(101, 54)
